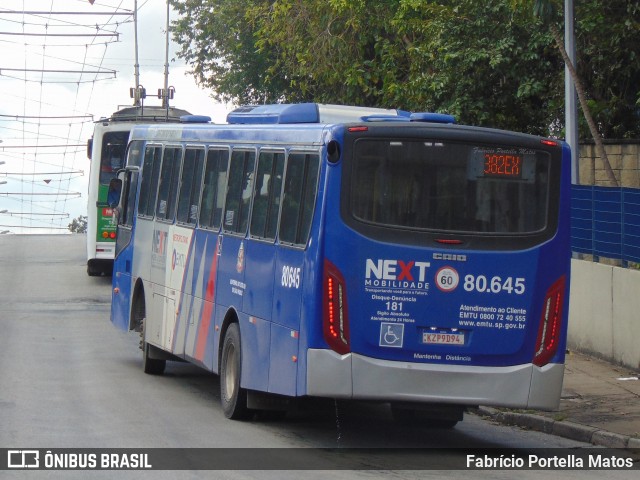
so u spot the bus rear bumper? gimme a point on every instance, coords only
(355, 376)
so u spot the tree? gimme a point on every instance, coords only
(608, 60)
(546, 10)
(488, 63)
(78, 225)
(411, 54)
(218, 41)
(484, 63)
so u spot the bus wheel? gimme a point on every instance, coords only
(93, 270)
(152, 366)
(232, 396)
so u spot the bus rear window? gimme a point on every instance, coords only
(450, 187)
(112, 157)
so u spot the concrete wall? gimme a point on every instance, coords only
(604, 312)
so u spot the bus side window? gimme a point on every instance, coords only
(300, 188)
(240, 188)
(266, 199)
(213, 192)
(168, 188)
(190, 183)
(149, 186)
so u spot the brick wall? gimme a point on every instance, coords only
(624, 156)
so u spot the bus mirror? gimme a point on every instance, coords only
(89, 147)
(113, 195)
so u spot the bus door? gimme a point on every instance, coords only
(298, 205)
(199, 341)
(164, 297)
(232, 244)
(260, 259)
(231, 247)
(182, 242)
(122, 280)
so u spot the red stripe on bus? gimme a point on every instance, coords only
(207, 311)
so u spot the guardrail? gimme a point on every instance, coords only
(605, 222)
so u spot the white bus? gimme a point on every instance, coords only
(106, 150)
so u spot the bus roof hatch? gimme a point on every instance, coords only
(287, 113)
(307, 113)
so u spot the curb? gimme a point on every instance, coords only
(566, 429)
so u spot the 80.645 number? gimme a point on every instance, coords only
(480, 283)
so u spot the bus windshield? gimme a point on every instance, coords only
(450, 187)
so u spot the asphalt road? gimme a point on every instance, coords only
(69, 379)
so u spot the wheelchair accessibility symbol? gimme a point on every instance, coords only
(391, 334)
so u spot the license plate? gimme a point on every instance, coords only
(443, 338)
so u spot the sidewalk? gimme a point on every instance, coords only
(600, 404)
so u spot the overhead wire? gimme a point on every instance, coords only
(92, 88)
(88, 73)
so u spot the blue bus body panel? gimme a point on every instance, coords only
(396, 306)
(255, 334)
(230, 287)
(196, 312)
(491, 311)
(122, 280)
(283, 364)
(121, 287)
(288, 299)
(260, 262)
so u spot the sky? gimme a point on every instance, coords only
(54, 86)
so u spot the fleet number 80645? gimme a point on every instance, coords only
(480, 283)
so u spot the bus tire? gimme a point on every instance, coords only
(151, 366)
(93, 270)
(232, 396)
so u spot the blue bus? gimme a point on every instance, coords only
(308, 250)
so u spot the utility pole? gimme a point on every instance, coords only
(136, 67)
(165, 96)
(571, 99)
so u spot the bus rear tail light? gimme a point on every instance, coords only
(335, 325)
(550, 324)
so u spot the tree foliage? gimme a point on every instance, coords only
(486, 62)
(218, 39)
(78, 225)
(608, 59)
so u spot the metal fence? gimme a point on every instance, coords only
(605, 222)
